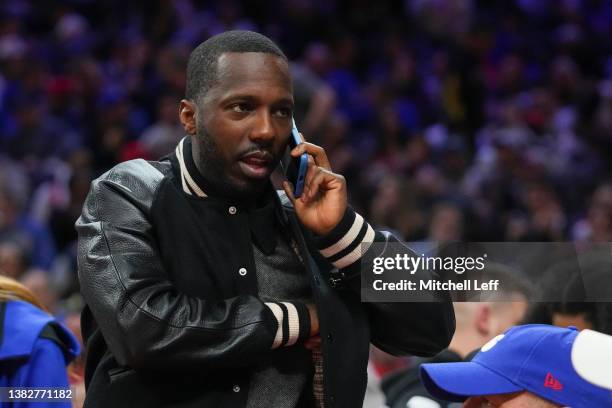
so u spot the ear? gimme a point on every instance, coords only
(482, 319)
(187, 115)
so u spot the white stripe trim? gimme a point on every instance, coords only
(346, 240)
(179, 156)
(278, 314)
(186, 175)
(356, 253)
(294, 323)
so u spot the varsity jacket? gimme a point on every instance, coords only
(172, 317)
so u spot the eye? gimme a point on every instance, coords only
(283, 112)
(240, 107)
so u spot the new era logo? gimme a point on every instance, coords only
(552, 382)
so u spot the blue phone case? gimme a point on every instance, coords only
(298, 187)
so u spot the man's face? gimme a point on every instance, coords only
(243, 122)
(514, 400)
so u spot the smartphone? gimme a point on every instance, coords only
(294, 168)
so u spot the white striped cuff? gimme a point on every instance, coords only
(349, 240)
(293, 322)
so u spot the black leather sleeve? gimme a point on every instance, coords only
(418, 328)
(144, 320)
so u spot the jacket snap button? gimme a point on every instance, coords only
(236, 388)
(329, 337)
(232, 210)
(242, 271)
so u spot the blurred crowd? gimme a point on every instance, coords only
(451, 119)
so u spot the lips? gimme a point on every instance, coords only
(256, 164)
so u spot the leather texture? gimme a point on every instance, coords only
(145, 321)
(154, 343)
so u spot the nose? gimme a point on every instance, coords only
(263, 129)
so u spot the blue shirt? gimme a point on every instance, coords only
(30, 359)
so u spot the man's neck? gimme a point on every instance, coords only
(464, 343)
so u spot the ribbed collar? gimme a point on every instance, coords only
(263, 215)
(191, 179)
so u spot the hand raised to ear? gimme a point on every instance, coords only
(324, 199)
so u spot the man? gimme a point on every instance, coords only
(477, 323)
(527, 366)
(204, 289)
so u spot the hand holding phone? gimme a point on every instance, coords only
(294, 168)
(323, 202)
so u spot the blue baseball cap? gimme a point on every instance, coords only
(592, 357)
(533, 357)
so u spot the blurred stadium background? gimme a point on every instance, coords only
(451, 119)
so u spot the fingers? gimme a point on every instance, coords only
(317, 152)
(289, 191)
(317, 163)
(312, 170)
(321, 180)
(318, 182)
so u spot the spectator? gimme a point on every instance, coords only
(35, 348)
(12, 260)
(597, 226)
(575, 292)
(446, 223)
(37, 281)
(315, 101)
(15, 225)
(527, 366)
(474, 103)
(476, 324)
(160, 138)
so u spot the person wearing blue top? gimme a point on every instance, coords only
(34, 351)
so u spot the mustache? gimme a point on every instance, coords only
(265, 154)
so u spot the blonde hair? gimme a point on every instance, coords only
(10, 289)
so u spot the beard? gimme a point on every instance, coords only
(216, 170)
